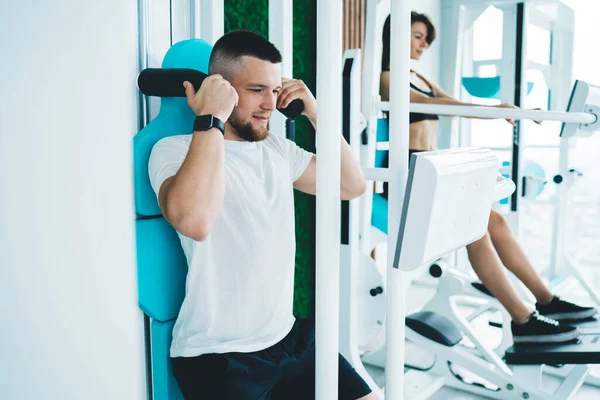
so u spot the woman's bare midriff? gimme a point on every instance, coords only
(422, 135)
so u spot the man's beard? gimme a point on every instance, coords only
(246, 131)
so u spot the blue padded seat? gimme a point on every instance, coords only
(379, 215)
(162, 266)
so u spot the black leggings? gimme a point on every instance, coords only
(386, 164)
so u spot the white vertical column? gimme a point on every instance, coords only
(195, 31)
(67, 231)
(211, 15)
(144, 60)
(451, 51)
(158, 42)
(399, 109)
(509, 38)
(281, 35)
(377, 12)
(181, 20)
(329, 128)
(507, 82)
(561, 84)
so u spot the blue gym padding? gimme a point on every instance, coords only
(174, 118)
(165, 385)
(162, 269)
(162, 266)
(505, 165)
(379, 216)
(486, 88)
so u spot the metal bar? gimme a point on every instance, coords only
(492, 112)
(519, 85)
(143, 101)
(280, 34)
(148, 350)
(376, 174)
(329, 123)
(529, 147)
(195, 18)
(398, 171)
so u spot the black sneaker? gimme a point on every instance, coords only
(562, 310)
(541, 329)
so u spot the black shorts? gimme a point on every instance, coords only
(283, 371)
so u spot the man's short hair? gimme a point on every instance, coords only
(231, 47)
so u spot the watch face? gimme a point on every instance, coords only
(208, 121)
(203, 122)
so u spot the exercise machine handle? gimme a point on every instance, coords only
(168, 82)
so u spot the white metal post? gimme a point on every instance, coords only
(557, 251)
(329, 128)
(281, 35)
(182, 20)
(195, 31)
(398, 172)
(451, 55)
(377, 12)
(350, 251)
(562, 82)
(211, 14)
(158, 41)
(144, 59)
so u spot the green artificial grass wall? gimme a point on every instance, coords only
(254, 15)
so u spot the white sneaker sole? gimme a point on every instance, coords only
(554, 338)
(573, 316)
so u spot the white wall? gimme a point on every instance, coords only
(70, 327)
(429, 65)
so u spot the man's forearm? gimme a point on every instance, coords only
(352, 179)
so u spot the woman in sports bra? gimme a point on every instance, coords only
(423, 127)
(498, 247)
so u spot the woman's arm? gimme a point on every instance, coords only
(441, 97)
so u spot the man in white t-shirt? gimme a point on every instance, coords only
(227, 189)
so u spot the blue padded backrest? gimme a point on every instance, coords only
(162, 269)
(379, 215)
(383, 135)
(164, 384)
(174, 118)
(162, 266)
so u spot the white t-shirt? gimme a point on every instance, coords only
(240, 283)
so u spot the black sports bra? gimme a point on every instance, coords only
(418, 117)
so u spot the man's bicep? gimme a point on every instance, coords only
(307, 182)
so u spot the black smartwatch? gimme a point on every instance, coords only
(208, 121)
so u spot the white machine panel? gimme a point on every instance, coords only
(584, 98)
(447, 204)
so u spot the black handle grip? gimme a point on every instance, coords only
(168, 82)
